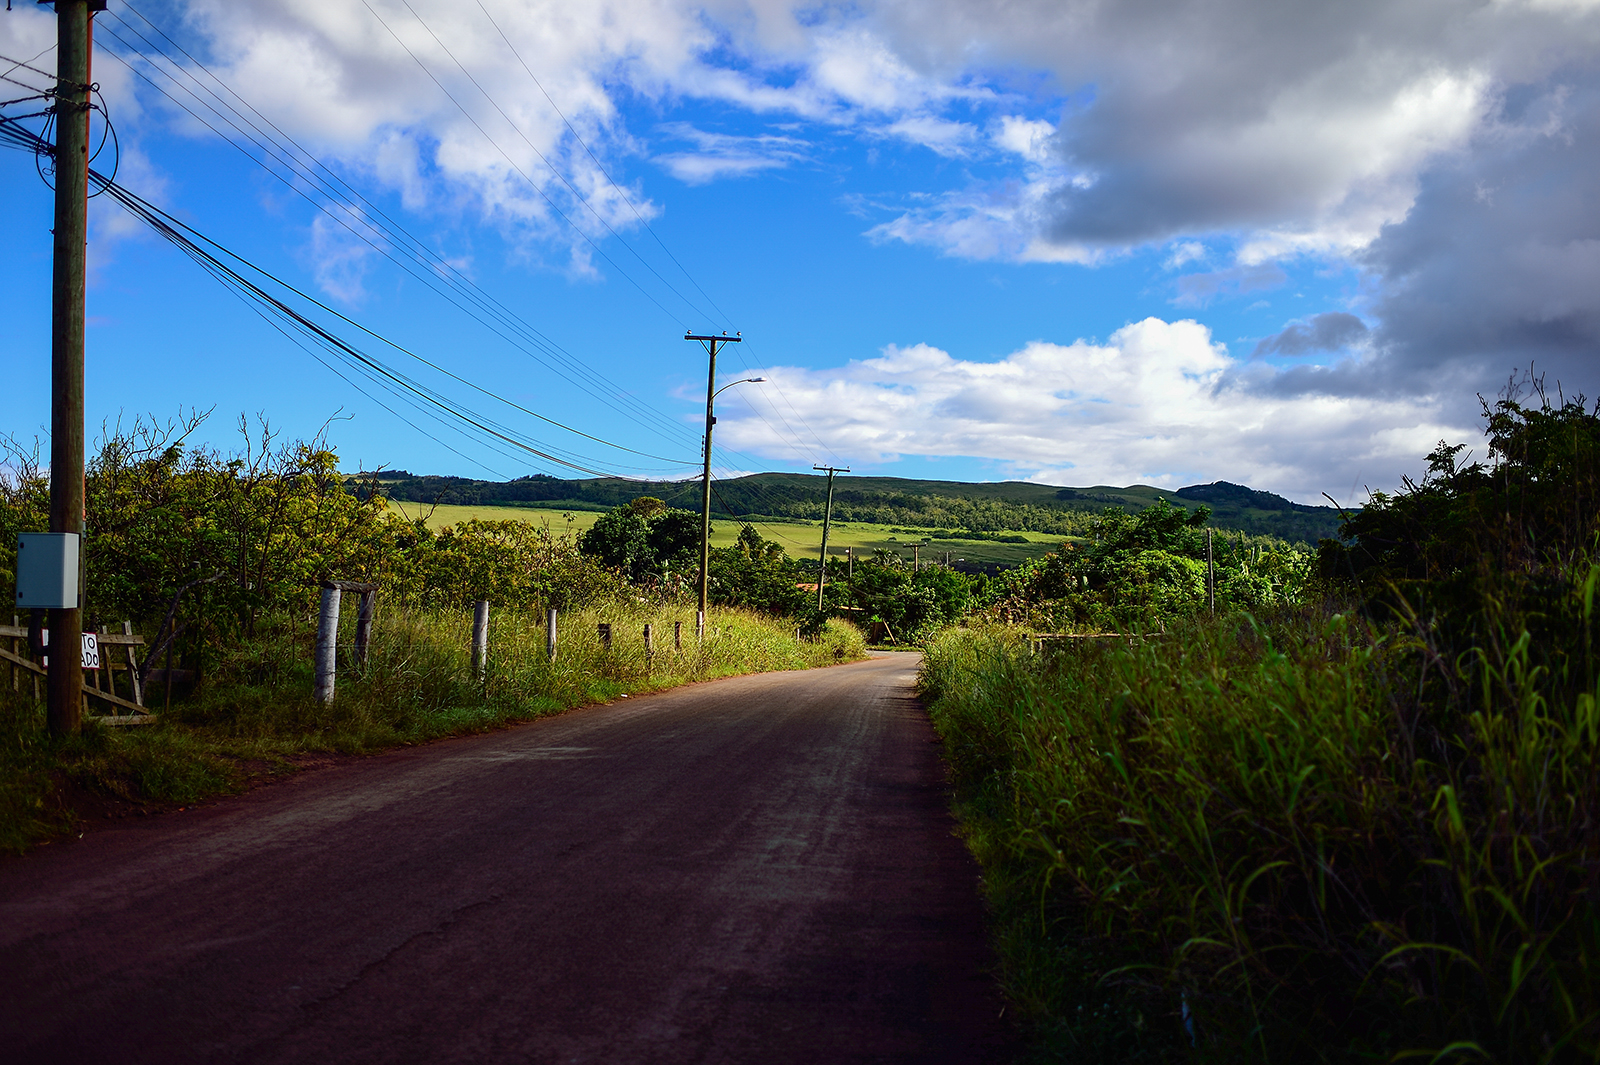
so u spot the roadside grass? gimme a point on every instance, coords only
(254, 715)
(1303, 838)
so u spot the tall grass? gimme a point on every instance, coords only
(1304, 838)
(255, 713)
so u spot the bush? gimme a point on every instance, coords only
(1366, 828)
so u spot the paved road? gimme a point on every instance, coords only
(753, 870)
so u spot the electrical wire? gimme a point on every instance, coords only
(790, 431)
(517, 167)
(581, 198)
(438, 266)
(463, 292)
(601, 166)
(181, 235)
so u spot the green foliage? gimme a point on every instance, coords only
(943, 505)
(221, 540)
(913, 604)
(643, 539)
(1277, 829)
(1143, 570)
(1468, 537)
(755, 573)
(1332, 834)
(509, 563)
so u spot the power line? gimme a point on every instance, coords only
(436, 267)
(180, 234)
(580, 197)
(548, 165)
(513, 163)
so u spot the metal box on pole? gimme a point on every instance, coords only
(47, 571)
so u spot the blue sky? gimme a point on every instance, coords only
(1061, 241)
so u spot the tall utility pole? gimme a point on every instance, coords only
(711, 344)
(64, 687)
(827, 517)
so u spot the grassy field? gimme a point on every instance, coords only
(799, 539)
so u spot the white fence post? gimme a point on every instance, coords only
(327, 643)
(550, 636)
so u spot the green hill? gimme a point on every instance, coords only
(990, 506)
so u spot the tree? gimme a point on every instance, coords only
(1475, 536)
(756, 573)
(643, 538)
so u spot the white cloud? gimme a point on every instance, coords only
(1184, 252)
(1028, 138)
(1157, 403)
(719, 155)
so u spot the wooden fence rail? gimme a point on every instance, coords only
(98, 684)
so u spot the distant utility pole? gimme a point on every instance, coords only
(1211, 576)
(74, 29)
(827, 517)
(711, 344)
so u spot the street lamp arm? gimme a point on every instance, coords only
(730, 384)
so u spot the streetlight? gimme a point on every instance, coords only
(711, 344)
(730, 384)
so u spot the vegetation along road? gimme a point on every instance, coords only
(754, 869)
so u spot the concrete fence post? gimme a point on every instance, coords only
(649, 646)
(604, 630)
(369, 602)
(699, 626)
(677, 635)
(550, 635)
(480, 638)
(327, 657)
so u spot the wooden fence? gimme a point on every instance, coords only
(117, 656)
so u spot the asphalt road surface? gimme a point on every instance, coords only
(753, 870)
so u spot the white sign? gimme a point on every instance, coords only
(91, 650)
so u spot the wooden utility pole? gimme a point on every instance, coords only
(1211, 576)
(711, 343)
(827, 517)
(64, 687)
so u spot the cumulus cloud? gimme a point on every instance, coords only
(1157, 403)
(1301, 127)
(1445, 147)
(1498, 263)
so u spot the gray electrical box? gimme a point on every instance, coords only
(47, 571)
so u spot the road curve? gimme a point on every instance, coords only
(759, 869)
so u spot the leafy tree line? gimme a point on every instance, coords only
(921, 504)
(1140, 570)
(190, 540)
(941, 512)
(656, 546)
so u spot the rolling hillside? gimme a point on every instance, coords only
(973, 506)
